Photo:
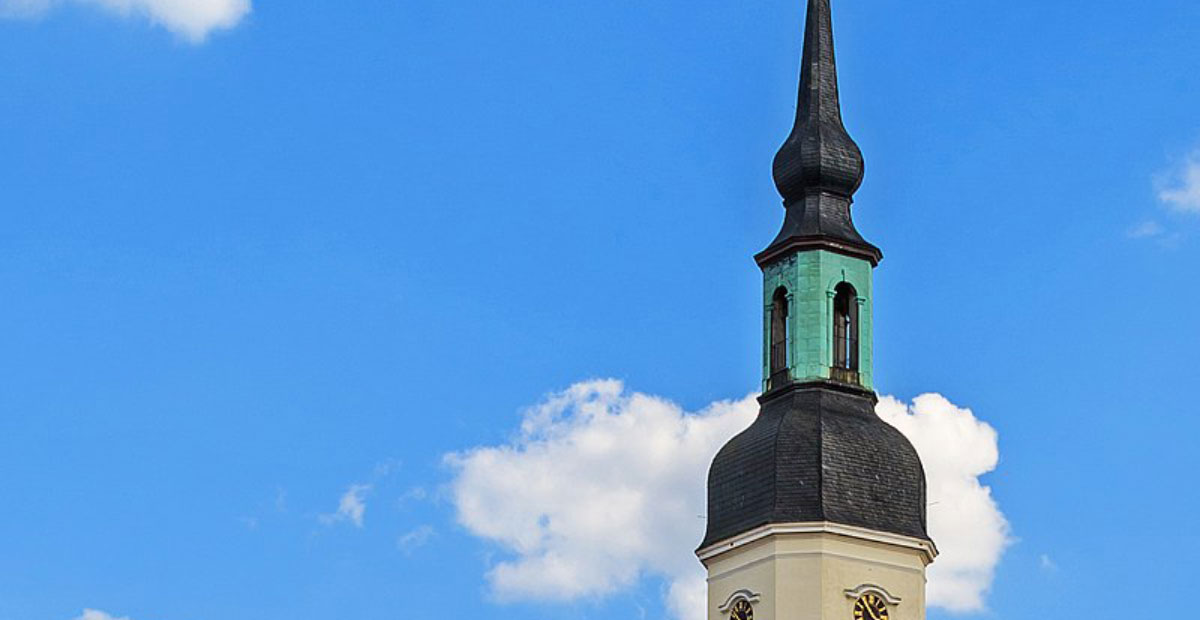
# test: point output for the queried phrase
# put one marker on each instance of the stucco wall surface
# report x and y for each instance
(806, 577)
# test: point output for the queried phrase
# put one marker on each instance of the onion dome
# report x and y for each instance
(819, 155)
(819, 167)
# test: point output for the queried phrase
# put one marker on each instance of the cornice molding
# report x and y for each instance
(818, 384)
(926, 547)
(795, 244)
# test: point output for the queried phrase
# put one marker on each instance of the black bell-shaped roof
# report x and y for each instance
(817, 453)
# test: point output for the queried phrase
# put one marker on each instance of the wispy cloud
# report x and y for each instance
(193, 20)
(1047, 563)
(1147, 230)
(1178, 192)
(603, 486)
(415, 539)
(95, 614)
(1181, 187)
(352, 507)
(387, 467)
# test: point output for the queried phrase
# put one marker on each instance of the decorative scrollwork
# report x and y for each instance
(740, 595)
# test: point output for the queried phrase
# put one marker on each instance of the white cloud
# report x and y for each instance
(416, 538)
(1048, 564)
(414, 494)
(1146, 230)
(1182, 189)
(964, 520)
(94, 614)
(193, 20)
(352, 507)
(603, 486)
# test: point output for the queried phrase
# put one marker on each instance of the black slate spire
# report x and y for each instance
(819, 167)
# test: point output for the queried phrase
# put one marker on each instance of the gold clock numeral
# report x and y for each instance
(870, 607)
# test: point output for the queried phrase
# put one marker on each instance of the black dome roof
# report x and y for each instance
(817, 453)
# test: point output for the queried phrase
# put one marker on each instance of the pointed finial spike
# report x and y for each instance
(819, 155)
(819, 167)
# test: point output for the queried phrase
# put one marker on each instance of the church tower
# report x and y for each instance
(817, 511)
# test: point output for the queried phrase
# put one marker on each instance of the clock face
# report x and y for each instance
(741, 611)
(870, 607)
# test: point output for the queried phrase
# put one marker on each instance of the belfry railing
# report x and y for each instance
(844, 375)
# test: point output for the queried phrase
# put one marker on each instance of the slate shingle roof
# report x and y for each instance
(817, 453)
(819, 166)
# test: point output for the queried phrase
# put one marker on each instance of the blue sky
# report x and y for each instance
(246, 270)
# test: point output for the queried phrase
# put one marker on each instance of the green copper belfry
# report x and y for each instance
(817, 271)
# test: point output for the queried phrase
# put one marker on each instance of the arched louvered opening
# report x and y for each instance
(780, 362)
(845, 333)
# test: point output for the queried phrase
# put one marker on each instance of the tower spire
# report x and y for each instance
(819, 167)
(818, 509)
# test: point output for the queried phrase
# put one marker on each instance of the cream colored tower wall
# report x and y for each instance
(806, 576)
